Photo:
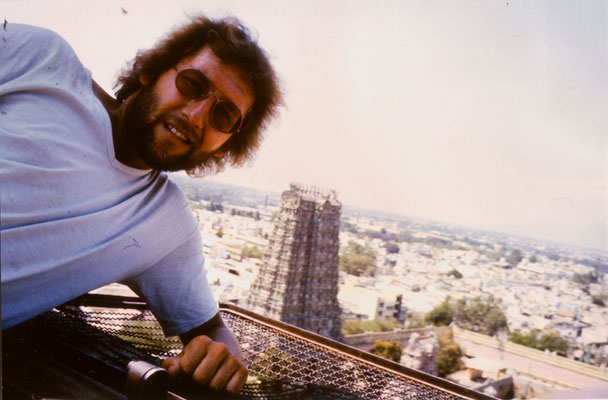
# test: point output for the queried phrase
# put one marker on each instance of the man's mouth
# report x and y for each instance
(177, 133)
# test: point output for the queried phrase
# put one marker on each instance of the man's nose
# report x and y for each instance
(197, 111)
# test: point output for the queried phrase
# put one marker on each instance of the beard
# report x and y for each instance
(140, 120)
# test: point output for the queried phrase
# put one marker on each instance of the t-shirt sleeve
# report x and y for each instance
(26, 50)
(177, 290)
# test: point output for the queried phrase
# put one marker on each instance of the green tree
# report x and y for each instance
(548, 340)
(355, 326)
(455, 273)
(449, 354)
(525, 339)
(441, 315)
(358, 260)
(347, 226)
(392, 248)
(213, 206)
(404, 236)
(585, 279)
(480, 314)
(599, 299)
(389, 350)
(251, 252)
(514, 258)
(552, 341)
(219, 233)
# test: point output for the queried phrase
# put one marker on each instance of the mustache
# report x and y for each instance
(181, 125)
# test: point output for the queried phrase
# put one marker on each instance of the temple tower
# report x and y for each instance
(298, 280)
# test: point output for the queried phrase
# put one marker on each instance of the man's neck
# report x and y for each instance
(115, 110)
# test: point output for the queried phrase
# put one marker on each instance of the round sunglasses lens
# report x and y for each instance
(192, 83)
(226, 117)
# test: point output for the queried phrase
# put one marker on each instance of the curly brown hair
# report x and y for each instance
(234, 45)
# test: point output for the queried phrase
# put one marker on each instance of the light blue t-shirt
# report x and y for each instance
(73, 218)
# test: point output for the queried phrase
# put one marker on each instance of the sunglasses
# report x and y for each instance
(224, 116)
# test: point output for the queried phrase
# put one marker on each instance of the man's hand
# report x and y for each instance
(208, 363)
(211, 357)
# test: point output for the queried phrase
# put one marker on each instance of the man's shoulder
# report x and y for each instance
(23, 48)
(34, 36)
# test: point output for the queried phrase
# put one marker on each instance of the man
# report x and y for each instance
(83, 201)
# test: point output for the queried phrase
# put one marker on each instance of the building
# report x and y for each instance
(298, 280)
(486, 376)
(370, 302)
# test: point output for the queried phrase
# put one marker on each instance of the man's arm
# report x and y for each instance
(211, 357)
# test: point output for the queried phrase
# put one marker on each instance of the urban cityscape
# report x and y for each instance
(401, 278)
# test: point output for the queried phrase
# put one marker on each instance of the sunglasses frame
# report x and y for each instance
(180, 74)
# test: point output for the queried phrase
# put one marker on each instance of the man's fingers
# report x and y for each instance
(172, 366)
(226, 370)
(238, 380)
(216, 355)
(193, 353)
(208, 363)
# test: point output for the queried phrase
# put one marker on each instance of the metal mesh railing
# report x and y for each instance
(282, 364)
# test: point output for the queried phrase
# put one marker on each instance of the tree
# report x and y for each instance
(219, 233)
(441, 315)
(449, 353)
(358, 260)
(404, 236)
(355, 326)
(275, 215)
(525, 339)
(514, 258)
(389, 350)
(392, 248)
(481, 315)
(599, 300)
(251, 252)
(347, 226)
(585, 279)
(213, 206)
(549, 340)
(552, 341)
(455, 273)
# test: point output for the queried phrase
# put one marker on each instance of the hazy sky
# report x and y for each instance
(491, 114)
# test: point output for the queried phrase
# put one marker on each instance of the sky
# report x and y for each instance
(488, 114)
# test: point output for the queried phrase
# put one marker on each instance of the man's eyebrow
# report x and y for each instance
(218, 92)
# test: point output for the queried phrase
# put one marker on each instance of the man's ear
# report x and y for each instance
(144, 78)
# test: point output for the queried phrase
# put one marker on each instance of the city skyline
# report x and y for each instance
(485, 115)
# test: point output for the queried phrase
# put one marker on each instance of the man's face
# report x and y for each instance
(171, 132)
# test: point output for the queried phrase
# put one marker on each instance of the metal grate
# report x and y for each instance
(287, 363)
